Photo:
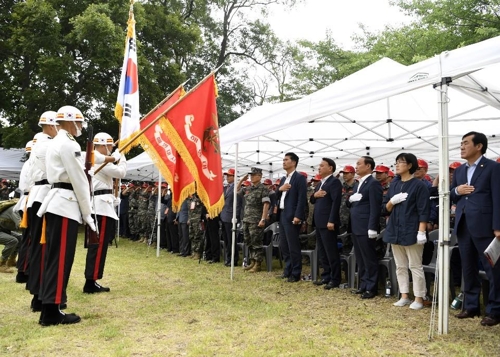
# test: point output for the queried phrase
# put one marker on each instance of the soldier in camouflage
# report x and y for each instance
(142, 212)
(132, 211)
(195, 226)
(347, 190)
(256, 209)
(382, 176)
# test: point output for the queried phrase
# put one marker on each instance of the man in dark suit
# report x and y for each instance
(226, 217)
(326, 199)
(476, 191)
(292, 197)
(366, 205)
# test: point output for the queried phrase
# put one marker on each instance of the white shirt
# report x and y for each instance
(283, 194)
(361, 180)
(324, 180)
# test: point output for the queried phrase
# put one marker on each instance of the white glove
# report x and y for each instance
(117, 155)
(398, 198)
(372, 234)
(91, 172)
(90, 221)
(421, 238)
(116, 201)
(355, 197)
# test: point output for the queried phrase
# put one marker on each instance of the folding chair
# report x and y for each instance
(312, 254)
(275, 242)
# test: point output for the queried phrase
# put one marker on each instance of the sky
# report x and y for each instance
(312, 18)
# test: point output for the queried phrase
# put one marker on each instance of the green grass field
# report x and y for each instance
(173, 306)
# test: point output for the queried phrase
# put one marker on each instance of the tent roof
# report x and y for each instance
(382, 110)
(10, 163)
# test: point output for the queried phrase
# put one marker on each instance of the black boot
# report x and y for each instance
(91, 287)
(51, 315)
(36, 305)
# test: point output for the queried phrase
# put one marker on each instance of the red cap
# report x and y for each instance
(422, 163)
(348, 168)
(456, 164)
(390, 173)
(428, 178)
(381, 168)
(268, 182)
(498, 160)
(246, 183)
(145, 185)
(229, 172)
(316, 177)
(303, 174)
(164, 185)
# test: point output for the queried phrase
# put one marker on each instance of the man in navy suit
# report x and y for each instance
(326, 199)
(292, 197)
(226, 216)
(366, 206)
(476, 190)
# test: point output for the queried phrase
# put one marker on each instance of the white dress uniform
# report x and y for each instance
(38, 169)
(62, 202)
(104, 208)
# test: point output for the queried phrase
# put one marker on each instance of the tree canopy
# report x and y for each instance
(56, 52)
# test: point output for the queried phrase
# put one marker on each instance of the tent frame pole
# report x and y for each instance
(234, 221)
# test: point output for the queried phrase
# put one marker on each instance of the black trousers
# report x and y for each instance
(213, 239)
(228, 236)
(328, 253)
(36, 251)
(61, 234)
(184, 244)
(97, 253)
(367, 261)
(23, 253)
(290, 248)
(172, 237)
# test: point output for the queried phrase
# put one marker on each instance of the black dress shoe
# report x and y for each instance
(321, 282)
(490, 320)
(62, 318)
(227, 264)
(63, 306)
(368, 295)
(293, 279)
(36, 305)
(21, 278)
(359, 291)
(91, 288)
(282, 276)
(467, 314)
(331, 285)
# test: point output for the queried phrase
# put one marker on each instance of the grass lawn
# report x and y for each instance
(173, 306)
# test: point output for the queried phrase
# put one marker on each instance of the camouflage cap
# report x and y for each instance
(255, 171)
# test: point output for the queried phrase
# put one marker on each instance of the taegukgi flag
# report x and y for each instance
(127, 103)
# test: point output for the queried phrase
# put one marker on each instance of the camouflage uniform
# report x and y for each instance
(133, 220)
(142, 213)
(255, 198)
(309, 242)
(153, 200)
(194, 221)
(347, 190)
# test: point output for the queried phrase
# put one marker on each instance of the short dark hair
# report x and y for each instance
(293, 157)
(478, 138)
(330, 163)
(369, 161)
(410, 160)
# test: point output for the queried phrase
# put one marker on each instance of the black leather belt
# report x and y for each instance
(42, 182)
(66, 186)
(102, 192)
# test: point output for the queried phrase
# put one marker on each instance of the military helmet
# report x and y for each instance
(69, 113)
(103, 139)
(48, 118)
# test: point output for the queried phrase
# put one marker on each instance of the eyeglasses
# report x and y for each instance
(401, 162)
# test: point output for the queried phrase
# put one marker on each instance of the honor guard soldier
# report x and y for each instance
(38, 192)
(65, 207)
(103, 205)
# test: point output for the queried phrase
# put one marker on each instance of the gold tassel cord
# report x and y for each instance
(44, 228)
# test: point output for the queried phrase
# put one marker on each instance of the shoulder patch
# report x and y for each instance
(78, 153)
(70, 137)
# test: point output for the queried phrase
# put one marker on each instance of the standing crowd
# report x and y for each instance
(364, 212)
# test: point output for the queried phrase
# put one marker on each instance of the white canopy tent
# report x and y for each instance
(380, 111)
(10, 163)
